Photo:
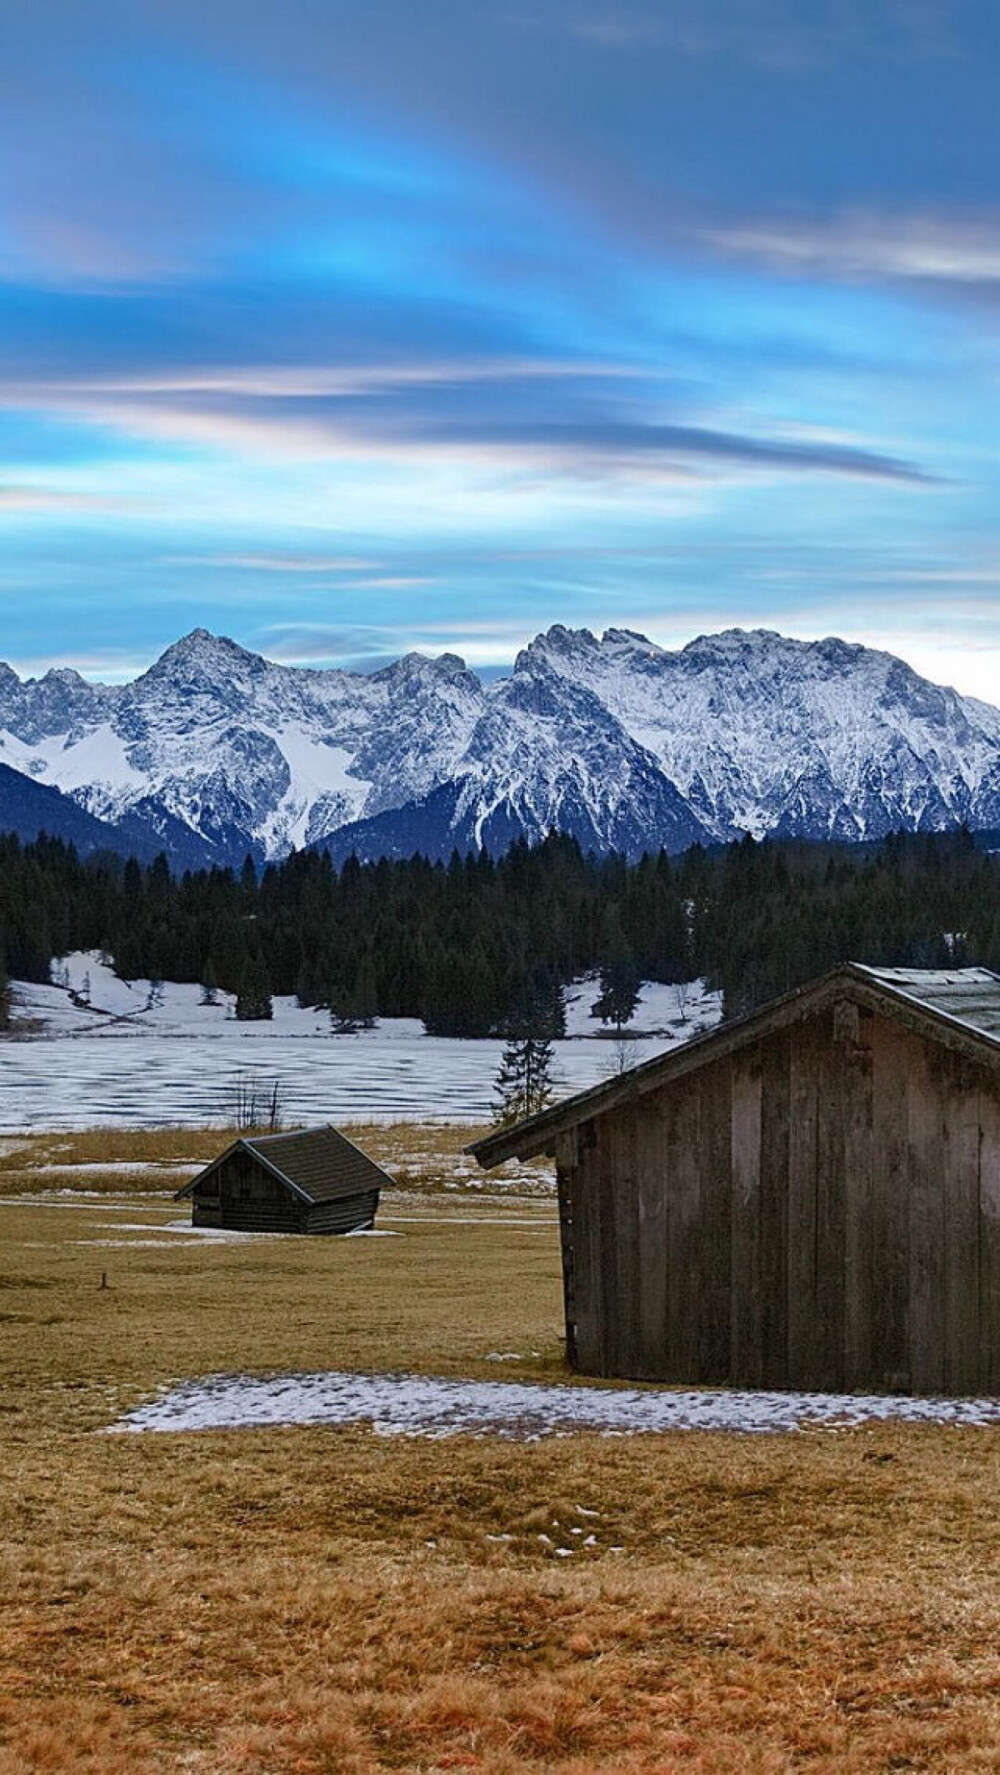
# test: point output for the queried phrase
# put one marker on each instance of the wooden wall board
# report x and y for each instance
(961, 1227)
(772, 1274)
(745, 1341)
(716, 1154)
(890, 1207)
(859, 1279)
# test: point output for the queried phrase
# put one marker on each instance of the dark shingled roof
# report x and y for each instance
(319, 1164)
(959, 1007)
(970, 994)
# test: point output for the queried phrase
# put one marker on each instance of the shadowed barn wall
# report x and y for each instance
(820, 1208)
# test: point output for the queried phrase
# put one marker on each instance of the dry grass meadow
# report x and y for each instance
(328, 1602)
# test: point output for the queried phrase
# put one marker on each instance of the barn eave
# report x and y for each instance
(891, 992)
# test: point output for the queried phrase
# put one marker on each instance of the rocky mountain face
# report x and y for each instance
(216, 751)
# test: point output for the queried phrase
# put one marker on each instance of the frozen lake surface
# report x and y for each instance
(134, 1054)
(413, 1405)
(151, 1080)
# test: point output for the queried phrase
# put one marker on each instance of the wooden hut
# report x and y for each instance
(312, 1182)
(808, 1197)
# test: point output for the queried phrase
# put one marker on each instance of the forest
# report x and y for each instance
(478, 945)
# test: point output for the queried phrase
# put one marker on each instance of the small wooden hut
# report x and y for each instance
(317, 1181)
(808, 1197)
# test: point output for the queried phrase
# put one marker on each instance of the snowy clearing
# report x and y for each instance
(413, 1405)
(88, 998)
(135, 1058)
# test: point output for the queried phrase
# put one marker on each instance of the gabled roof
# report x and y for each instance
(317, 1165)
(959, 1007)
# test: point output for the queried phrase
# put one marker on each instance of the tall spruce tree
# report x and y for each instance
(356, 1006)
(536, 1017)
(253, 1000)
(620, 980)
(524, 1085)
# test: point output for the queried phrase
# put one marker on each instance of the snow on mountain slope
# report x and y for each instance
(765, 734)
(548, 753)
(244, 753)
(216, 750)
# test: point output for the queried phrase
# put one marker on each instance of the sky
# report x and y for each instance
(346, 327)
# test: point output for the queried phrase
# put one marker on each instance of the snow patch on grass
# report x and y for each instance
(414, 1405)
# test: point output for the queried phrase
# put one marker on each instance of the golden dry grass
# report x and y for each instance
(420, 1156)
(327, 1602)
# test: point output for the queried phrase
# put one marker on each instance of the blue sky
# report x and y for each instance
(346, 328)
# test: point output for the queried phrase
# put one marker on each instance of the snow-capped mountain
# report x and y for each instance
(215, 750)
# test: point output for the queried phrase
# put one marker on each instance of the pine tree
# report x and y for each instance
(365, 992)
(524, 1084)
(620, 982)
(354, 1007)
(209, 984)
(343, 1017)
(253, 1001)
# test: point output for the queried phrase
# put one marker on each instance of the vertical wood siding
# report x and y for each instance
(819, 1210)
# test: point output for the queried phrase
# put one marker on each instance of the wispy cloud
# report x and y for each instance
(314, 381)
(484, 642)
(53, 499)
(283, 563)
(496, 427)
(781, 36)
(627, 441)
(866, 244)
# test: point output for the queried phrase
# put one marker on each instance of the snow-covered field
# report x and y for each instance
(135, 1055)
(413, 1405)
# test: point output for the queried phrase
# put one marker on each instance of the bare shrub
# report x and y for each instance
(256, 1103)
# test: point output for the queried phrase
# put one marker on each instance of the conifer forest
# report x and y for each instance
(473, 946)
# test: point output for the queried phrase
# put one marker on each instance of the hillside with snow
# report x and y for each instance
(87, 997)
(215, 750)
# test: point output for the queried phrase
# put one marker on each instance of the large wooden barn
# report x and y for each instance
(317, 1181)
(809, 1197)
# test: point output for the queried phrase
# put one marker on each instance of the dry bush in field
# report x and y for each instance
(255, 1104)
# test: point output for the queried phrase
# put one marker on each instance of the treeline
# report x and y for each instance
(462, 946)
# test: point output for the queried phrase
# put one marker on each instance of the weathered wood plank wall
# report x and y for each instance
(246, 1198)
(820, 1210)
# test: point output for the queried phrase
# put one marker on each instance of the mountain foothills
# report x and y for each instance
(215, 751)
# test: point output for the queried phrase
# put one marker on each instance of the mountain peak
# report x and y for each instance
(629, 638)
(204, 655)
(200, 641)
(730, 641)
(442, 665)
(612, 739)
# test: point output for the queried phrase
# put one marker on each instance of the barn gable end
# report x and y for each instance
(808, 1199)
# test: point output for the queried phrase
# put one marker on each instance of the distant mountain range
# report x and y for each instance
(216, 751)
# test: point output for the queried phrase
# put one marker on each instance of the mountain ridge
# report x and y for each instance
(215, 750)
